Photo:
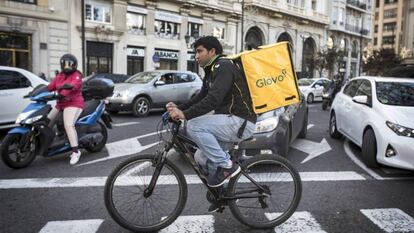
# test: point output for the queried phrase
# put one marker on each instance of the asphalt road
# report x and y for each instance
(339, 194)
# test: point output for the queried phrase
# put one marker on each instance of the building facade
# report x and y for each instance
(350, 31)
(34, 34)
(388, 24)
(129, 36)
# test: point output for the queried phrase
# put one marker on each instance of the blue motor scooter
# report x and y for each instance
(36, 135)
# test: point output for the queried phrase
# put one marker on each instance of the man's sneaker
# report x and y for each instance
(219, 177)
(74, 158)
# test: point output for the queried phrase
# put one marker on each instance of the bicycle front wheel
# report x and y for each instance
(274, 206)
(125, 200)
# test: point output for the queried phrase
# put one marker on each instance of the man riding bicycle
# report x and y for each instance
(225, 93)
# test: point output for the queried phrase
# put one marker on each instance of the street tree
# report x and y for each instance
(379, 61)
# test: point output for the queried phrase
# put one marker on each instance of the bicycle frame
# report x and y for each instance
(179, 141)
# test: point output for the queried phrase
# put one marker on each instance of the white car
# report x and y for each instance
(14, 84)
(377, 114)
(312, 88)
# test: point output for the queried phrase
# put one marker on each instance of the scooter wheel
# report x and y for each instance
(14, 158)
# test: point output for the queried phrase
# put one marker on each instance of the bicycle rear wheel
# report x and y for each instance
(124, 194)
(279, 177)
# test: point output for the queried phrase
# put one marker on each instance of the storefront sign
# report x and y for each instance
(162, 54)
(166, 16)
(135, 52)
(138, 10)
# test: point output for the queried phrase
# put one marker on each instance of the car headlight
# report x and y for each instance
(33, 119)
(22, 116)
(267, 125)
(400, 130)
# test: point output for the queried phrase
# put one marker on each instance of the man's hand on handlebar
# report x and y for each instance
(175, 113)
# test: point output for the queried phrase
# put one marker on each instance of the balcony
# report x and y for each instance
(356, 29)
(357, 4)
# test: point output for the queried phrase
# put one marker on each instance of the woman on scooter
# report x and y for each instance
(71, 102)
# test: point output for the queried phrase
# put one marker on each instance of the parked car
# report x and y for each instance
(146, 90)
(312, 88)
(14, 84)
(275, 130)
(376, 113)
(116, 78)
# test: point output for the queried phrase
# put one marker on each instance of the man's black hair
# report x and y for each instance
(209, 42)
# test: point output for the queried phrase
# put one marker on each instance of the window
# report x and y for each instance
(26, 1)
(167, 78)
(388, 39)
(390, 1)
(395, 93)
(98, 13)
(314, 5)
(12, 80)
(389, 26)
(136, 23)
(183, 78)
(165, 29)
(218, 32)
(392, 13)
(375, 41)
(376, 28)
(365, 89)
(352, 87)
(194, 29)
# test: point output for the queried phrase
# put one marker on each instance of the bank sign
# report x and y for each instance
(170, 55)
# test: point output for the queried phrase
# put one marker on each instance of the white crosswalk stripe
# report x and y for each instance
(194, 223)
(388, 220)
(191, 179)
(299, 222)
(72, 226)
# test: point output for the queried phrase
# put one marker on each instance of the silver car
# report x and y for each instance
(153, 89)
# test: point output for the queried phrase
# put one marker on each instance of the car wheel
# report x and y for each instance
(310, 98)
(369, 149)
(141, 107)
(333, 130)
(304, 129)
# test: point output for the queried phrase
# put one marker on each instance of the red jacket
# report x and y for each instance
(73, 98)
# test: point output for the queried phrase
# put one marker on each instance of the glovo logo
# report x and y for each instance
(268, 81)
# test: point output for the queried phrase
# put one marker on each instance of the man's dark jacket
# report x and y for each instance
(224, 90)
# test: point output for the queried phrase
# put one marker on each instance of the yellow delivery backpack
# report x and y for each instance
(270, 76)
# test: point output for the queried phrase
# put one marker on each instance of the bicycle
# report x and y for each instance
(148, 192)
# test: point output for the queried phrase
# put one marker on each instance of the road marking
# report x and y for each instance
(125, 124)
(372, 173)
(390, 220)
(313, 149)
(192, 223)
(299, 222)
(72, 226)
(124, 147)
(310, 126)
(76, 182)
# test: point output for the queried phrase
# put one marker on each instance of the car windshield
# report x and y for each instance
(144, 77)
(396, 93)
(305, 82)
